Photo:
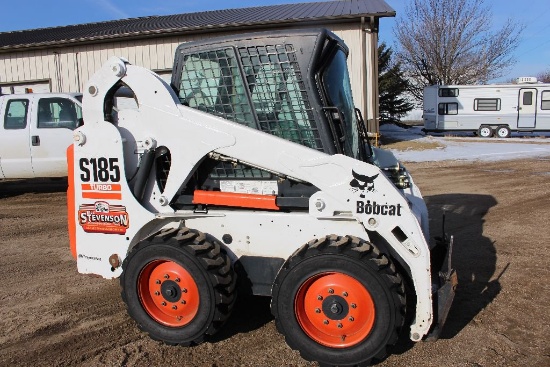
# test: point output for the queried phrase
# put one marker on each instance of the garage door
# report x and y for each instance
(18, 88)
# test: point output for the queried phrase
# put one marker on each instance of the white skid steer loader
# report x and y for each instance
(253, 172)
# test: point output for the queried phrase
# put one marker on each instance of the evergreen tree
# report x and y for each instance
(391, 87)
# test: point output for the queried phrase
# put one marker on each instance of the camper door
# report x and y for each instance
(527, 108)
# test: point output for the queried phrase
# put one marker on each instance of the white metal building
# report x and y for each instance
(61, 59)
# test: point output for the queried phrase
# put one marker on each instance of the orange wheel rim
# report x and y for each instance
(335, 310)
(168, 293)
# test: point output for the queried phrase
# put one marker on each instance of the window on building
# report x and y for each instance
(545, 100)
(16, 114)
(448, 92)
(58, 113)
(527, 98)
(448, 108)
(487, 104)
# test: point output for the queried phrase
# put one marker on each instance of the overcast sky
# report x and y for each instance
(533, 54)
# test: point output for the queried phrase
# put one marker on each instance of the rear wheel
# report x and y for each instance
(339, 301)
(485, 131)
(178, 286)
(503, 131)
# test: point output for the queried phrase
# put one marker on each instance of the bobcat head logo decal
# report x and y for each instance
(362, 184)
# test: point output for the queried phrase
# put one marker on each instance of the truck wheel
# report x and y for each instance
(485, 131)
(178, 286)
(503, 131)
(339, 301)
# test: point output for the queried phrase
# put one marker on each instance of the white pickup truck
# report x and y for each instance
(36, 131)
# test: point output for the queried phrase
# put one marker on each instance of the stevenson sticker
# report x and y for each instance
(101, 217)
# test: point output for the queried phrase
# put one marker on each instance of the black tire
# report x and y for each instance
(485, 131)
(178, 316)
(503, 131)
(358, 262)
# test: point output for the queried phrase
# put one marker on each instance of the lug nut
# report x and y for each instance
(325, 322)
(318, 310)
(157, 281)
(174, 307)
(345, 294)
(163, 303)
(157, 293)
(166, 276)
(183, 302)
(319, 298)
(177, 280)
(184, 290)
(351, 319)
(331, 291)
(340, 326)
(179, 318)
(353, 305)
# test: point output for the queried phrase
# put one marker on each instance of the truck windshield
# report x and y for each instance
(338, 89)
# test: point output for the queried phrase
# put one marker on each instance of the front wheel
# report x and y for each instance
(339, 301)
(178, 286)
(503, 131)
(485, 131)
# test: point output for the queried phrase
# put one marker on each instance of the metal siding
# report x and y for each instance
(351, 35)
(96, 56)
(3, 73)
(131, 54)
(370, 78)
(25, 65)
(50, 70)
(14, 69)
(153, 51)
(104, 53)
(64, 71)
(32, 65)
(69, 69)
(10, 68)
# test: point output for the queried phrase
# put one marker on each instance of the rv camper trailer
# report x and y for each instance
(488, 110)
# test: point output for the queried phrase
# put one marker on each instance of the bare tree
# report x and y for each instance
(452, 42)
(544, 76)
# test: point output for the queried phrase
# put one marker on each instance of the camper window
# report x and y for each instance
(527, 98)
(448, 92)
(487, 104)
(448, 108)
(545, 100)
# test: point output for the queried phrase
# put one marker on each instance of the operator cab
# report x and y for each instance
(292, 84)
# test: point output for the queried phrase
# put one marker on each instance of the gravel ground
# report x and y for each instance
(498, 211)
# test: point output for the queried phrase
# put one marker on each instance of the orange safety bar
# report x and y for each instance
(235, 199)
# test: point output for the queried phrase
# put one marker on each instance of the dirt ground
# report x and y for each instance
(499, 213)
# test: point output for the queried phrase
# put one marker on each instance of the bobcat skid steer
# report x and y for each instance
(252, 172)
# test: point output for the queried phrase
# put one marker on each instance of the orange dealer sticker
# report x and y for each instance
(101, 217)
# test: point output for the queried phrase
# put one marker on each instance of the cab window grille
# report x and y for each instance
(211, 81)
(268, 93)
(278, 93)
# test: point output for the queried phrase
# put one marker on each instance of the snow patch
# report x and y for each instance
(467, 149)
